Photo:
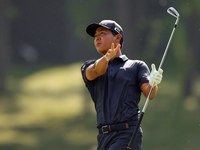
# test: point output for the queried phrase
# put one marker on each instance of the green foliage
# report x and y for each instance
(12, 12)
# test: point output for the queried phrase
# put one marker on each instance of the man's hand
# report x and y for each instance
(155, 76)
(99, 67)
(112, 52)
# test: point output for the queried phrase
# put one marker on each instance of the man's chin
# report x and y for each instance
(101, 51)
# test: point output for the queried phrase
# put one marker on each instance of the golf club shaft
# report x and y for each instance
(166, 50)
(148, 98)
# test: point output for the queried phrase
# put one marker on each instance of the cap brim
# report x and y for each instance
(91, 29)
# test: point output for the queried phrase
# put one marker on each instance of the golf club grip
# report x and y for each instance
(135, 132)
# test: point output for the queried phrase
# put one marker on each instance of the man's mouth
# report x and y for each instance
(98, 44)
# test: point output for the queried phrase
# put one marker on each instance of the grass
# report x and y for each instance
(49, 108)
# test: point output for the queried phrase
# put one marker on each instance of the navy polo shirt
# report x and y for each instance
(116, 93)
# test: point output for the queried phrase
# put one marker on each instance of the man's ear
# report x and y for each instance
(118, 37)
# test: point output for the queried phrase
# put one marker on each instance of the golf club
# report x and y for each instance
(174, 13)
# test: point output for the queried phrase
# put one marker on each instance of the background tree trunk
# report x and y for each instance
(193, 57)
(5, 42)
(128, 15)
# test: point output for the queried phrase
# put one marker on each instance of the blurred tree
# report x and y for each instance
(5, 41)
(39, 31)
(129, 14)
(142, 23)
(80, 13)
(193, 30)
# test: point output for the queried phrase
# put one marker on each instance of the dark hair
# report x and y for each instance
(114, 34)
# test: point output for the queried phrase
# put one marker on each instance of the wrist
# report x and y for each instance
(106, 58)
(151, 83)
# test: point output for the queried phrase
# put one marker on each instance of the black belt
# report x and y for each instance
(116, 127)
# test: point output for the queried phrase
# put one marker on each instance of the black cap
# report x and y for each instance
(109, 24)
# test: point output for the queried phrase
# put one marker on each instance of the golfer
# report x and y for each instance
(115, 84)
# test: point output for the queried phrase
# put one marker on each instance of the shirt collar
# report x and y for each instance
(120, 58)
(123, 57)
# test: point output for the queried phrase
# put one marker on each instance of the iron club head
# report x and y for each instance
(172, 11)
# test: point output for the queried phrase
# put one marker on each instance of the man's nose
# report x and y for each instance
(97, 37)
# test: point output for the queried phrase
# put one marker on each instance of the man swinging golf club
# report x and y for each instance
(115, 84)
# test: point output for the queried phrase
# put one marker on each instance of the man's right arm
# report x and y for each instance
(97, 69)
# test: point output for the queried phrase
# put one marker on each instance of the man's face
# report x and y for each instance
(103, 39)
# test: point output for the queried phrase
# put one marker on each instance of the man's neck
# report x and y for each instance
(119, 53)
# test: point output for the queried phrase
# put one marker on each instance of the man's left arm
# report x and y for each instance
(146, 87)
(156, 78)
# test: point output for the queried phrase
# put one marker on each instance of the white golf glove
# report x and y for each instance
(155, 76)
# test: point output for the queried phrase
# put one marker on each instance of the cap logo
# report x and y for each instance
(117, 29)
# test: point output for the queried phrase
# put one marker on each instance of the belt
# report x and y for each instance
(116, 127)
